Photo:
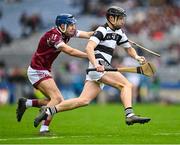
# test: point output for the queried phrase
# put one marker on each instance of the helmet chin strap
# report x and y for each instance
(65, 27)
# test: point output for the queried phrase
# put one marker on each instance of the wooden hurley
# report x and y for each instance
(147, 69)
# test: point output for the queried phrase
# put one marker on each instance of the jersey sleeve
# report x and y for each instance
(124, 41)
(55, 40)
(98, 35)
(77, 33)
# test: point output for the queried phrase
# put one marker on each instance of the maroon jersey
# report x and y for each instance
(47, 50)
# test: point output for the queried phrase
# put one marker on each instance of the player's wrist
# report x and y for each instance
(140, 59)
(96, 65)
(137, 57)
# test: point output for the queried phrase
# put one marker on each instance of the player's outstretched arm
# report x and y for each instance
(72, 51)
(132, 52)
(84, 34)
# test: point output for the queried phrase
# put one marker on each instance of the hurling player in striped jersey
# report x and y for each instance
(100, 50)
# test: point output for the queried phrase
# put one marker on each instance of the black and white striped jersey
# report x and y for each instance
(107, 40)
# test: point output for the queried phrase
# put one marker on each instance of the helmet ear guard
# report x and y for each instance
(65, 27)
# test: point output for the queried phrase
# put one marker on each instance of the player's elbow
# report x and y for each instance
(72, 52)
(90, 34)
(89, 48)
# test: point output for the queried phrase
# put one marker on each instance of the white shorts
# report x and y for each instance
(36, 76)
(95, 76)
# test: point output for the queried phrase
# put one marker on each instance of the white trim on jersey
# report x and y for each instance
(77, 33)
(95, 39)
(126, 45)
(58, 45)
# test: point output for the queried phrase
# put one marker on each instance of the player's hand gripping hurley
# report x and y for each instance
(147, 69)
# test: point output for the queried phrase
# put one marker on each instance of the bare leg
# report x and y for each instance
(49, 88)
(90, 91)
(118, 81)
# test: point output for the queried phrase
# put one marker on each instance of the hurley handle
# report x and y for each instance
(106, 69)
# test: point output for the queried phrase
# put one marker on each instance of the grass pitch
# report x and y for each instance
(95, 124)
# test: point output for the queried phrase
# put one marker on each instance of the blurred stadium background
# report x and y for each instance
(154, 24)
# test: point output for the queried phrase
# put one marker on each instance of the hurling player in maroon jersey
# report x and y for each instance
(51, 44)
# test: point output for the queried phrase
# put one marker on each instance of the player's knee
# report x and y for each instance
(56, 99)
(129, 85)
(125, 85)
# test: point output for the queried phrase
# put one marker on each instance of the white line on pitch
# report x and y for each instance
(29, 138)
(166, 133)
(43, 137)
(53, 137)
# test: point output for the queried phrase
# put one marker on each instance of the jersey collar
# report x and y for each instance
(106, 25)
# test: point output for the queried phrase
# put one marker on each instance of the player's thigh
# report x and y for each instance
(90, 91)
(49, 88)
(115, 79)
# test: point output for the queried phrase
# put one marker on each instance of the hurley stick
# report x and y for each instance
(147, 69)
(150, 51)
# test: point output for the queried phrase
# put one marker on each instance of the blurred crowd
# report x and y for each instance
(29, 23)
(151, 20)
(5, 37)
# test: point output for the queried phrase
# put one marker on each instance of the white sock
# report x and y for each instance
(44, 128)
(51, 110)
(131, 114)
(48, 111)
(28, 103)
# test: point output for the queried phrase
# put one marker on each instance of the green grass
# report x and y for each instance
(94, 124)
